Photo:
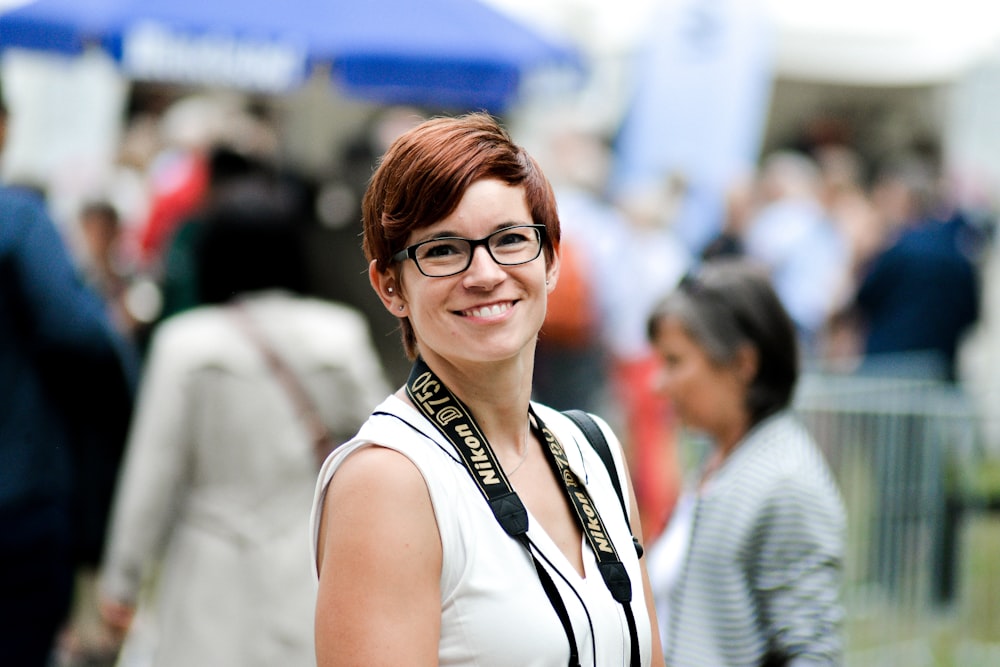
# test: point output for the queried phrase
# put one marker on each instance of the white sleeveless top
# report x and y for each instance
(494, 610)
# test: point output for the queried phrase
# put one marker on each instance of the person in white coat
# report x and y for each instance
(209, 543)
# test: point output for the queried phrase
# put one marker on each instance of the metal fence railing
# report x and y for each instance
(900, 449)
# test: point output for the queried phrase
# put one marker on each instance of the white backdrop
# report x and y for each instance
(886, 42)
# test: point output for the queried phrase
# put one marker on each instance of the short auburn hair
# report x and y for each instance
(424, 174)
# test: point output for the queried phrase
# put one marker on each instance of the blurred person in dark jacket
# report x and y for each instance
(917, 299)
(919, 296)
(65, 400)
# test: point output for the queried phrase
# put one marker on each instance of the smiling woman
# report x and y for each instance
(501, 309)
(449, 529)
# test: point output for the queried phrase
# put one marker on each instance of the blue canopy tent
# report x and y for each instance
(443, 53)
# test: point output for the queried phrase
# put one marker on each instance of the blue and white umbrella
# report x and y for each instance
(445, 53)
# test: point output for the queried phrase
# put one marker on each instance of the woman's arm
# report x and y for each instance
(798, 571)
(154, 477)
(379, 559)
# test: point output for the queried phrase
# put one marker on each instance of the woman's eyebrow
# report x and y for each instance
(440, 234)
(452, 234)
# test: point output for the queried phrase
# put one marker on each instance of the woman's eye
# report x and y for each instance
(441, 249)
(511, 238)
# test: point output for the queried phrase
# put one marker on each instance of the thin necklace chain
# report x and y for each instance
(524, 456)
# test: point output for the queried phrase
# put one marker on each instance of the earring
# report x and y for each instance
(401, 307)
(389, 290)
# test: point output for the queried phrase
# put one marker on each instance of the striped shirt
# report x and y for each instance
(763, 569)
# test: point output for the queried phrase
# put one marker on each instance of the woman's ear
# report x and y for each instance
(747, 363)
(386, 285)
(552, 269)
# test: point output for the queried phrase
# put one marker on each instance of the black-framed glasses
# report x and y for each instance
(450, 255)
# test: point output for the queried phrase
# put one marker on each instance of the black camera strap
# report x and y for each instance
(455, 421)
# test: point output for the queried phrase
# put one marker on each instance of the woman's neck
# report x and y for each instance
(726, 442)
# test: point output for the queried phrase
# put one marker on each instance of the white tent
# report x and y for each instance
(883, 42)
(862, 42)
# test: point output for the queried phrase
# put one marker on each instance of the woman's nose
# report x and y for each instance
(483, 269)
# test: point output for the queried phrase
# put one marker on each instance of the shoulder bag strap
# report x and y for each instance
(322, 439)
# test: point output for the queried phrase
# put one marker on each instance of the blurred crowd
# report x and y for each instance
(876, 262)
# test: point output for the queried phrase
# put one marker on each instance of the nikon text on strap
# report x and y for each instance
(454, 420)
(596, 438)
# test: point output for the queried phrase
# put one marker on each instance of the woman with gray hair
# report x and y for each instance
(749, 570)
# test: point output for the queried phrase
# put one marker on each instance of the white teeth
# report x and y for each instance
(489, 311)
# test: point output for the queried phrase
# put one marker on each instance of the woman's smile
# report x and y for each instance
(488, 311)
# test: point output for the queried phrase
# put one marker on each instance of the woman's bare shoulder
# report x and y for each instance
(376, 494)
(379, 543)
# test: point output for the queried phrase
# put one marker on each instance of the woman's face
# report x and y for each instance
(707, 396)
(488, 312)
